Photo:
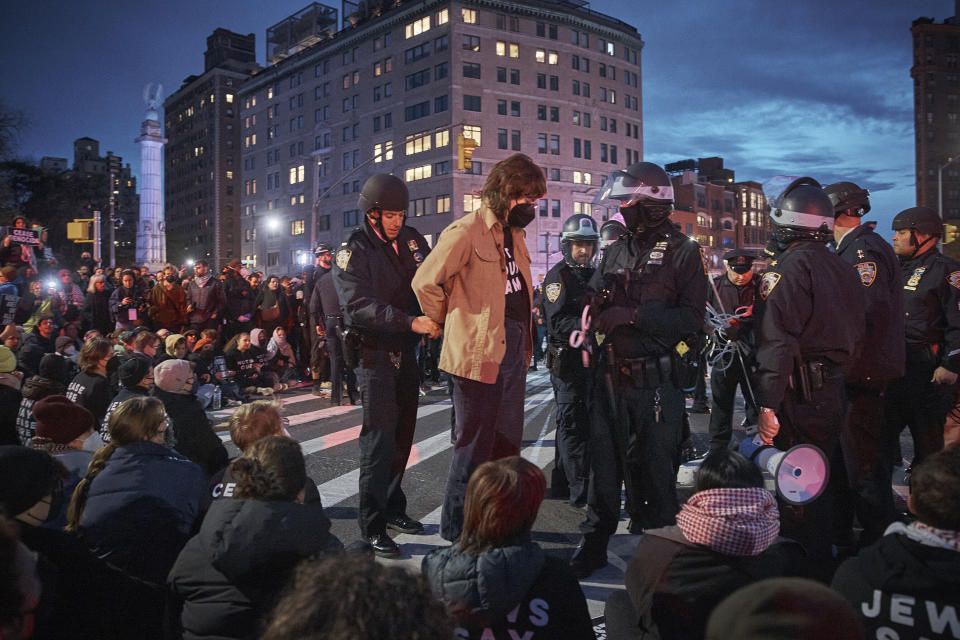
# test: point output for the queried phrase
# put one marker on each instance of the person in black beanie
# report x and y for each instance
(136, 378)
(50, 380)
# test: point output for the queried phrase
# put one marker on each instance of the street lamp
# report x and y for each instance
(273, 224)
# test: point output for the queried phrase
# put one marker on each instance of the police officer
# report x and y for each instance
(328, 319)
(866, 492)
(733, 293)
(652, 293)
(809, 331)
(931, 302)
(372, 277)
(564, 295)
(611, 231)
(317, 335)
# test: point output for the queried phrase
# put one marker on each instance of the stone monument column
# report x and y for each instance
(151, 248)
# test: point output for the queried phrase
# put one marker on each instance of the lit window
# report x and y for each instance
(300, 173)
(552, 58)
(419, 173)
(298, 227)
(501, 48)
(269, 93)
(418, 143)
(417, 27)
(541, 56)
(228, 96)
(577, 179)
(229, 175)
(472, 132)
(469, 16)
(514, 50)
(383, 151)
(443, 16)
(441, 138)
(443, 203)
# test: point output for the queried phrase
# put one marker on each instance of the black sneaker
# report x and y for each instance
(384, 546)
(590, 555)
(404, 524)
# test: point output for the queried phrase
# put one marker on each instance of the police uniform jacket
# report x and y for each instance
(733, 298)
(882, 358)
(812, 310)
(564, 295)
(372, 277)
(931, 304)
(661, 273)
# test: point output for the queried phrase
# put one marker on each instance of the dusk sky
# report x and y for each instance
(802, 88)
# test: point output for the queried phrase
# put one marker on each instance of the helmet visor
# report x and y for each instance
(774, 188)
(622, 186)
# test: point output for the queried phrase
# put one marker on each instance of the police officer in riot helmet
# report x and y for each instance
(564, 294)
(809, 332)
(931, 304)
(650, 296)
(610, 231)
(864, 480)
(372, 275)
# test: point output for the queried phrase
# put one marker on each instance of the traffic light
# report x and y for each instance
(80, 230)
(949, 233)
(465, 148)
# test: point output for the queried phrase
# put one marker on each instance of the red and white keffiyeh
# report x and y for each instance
(735, 522)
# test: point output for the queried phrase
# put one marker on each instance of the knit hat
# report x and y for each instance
(61, 420)
(171, 375)
(8, 361)
(133, 371)
(201, 343)
(26, 476)
(63, 342)
(8, 332)
(784, 608)
(171, 342)
(53, 366)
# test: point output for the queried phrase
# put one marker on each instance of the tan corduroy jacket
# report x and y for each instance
(461, 285)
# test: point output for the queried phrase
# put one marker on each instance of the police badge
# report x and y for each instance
(552, 291)
(867, 271)
(954, 279)
(768, 282)
(412, 245)
(343, 258)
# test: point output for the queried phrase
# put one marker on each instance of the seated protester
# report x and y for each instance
(231, 573)
(785, 609)
(496, 582)
(20, 586)
(248, 425)
(243, 365)
(173, 385)
(96, 306)
(136, 379)
(80, 596)
(209, 364)
(284, 361)
(67, 432)
(90, 388)
(265, 350)
(355, 597)
(10, 397)
(128, 308)
(51, 381)
(10, 338)
(7, 285)
(907, 583)
(176, 348)
(146, 345)
(36, 344)
(66, 347)
(138, 502)
(726, 536)
(191, 335)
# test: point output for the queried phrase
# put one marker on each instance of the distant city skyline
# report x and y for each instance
(812, 88)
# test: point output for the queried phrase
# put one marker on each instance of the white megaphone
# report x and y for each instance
(800, 474)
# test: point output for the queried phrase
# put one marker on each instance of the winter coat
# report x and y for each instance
(511, 592)
(35, 346)
(239, 298)
(903, 589)
(92, 391)
(193, 431)
(34, 389)
(674, 584)
(96, 312)
(145, 499)
(206, 300)
(121, 313)
(122, 396)
(168, 308)
(229, 575)
(9, 407)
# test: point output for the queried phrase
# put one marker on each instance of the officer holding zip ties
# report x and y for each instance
(809, 334)
(731, 322)
(647, 309)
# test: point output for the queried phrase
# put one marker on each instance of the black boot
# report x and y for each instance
(590, 555)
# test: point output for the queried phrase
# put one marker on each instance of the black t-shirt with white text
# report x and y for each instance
(517, 299)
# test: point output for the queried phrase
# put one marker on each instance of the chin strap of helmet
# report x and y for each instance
(916, 244)
(376, 221)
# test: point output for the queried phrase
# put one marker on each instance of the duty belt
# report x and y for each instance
(648, 373)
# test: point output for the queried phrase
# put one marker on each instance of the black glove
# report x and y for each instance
(731, 332)
(613, 317)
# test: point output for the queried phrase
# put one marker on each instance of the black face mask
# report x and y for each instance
(644, 216)
(171, 279)
(521, 214)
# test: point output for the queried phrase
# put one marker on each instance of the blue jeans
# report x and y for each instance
(489, 424)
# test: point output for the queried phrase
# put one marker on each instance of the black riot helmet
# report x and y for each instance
(920, 219)
(322, 248)
(385, 192)
(848, 199)
(579, 228)
(611, 231)
(800, 211)
(644, 191)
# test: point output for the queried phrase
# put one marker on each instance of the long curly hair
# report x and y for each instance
(511, 179)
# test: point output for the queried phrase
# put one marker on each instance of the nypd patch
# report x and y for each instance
(343, 258)
(954, 279)
(867, 271)
(768, 282)
(412, 245)
(552, 291)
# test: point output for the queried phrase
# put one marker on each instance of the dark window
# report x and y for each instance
(471, 43)
(576, 148)
(541, 81)
(554, 114)
(515, 140)
(501, 74)
(554, 83)
(555, 145)
(515, 108)
(351, 218)
(541, 30)
(417, 79)
(472, 103)
(501, 138)
(442, 43)
(471, 70)
(415, 53)
(441, 104)
(501, 107)
(586, 150)
(323, 223)
(441, 71)
(541, 112)
(553, 32)
(541, 143)
(514, 76)
(415, 111)
(556, 208)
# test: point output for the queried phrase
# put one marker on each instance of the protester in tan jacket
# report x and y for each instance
(476, 282)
